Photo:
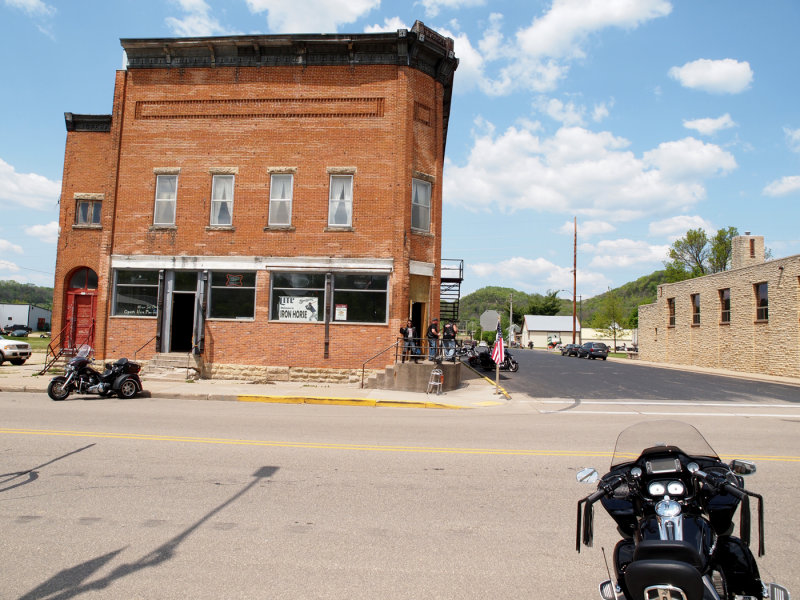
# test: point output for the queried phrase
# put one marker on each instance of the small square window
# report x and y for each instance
(88, 212)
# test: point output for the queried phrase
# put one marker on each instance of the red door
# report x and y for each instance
(81, 309)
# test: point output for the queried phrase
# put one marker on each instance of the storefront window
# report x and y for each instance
(136, 293)
(360, 298)
(297, 297)
(232, 295)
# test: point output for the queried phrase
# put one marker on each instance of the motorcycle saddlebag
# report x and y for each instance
(127, 367)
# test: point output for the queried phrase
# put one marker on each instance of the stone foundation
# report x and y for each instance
(265, 374)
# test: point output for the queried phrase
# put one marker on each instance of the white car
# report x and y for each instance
(14, 351)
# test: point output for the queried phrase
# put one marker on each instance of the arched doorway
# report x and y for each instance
(81, 308)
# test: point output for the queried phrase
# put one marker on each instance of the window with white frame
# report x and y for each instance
(280, 199)
(340, 207)
(420, 205)
(222, 200)
(166, 197)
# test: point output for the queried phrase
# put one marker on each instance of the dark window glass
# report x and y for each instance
(762, 301)
(695, 309)
(360, 298)
(297, 297)
(725, 305)
(136, 293)
(233, 295)
(671, 311)
(84, 278)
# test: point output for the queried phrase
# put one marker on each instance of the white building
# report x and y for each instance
(35, 317)
(542, 330)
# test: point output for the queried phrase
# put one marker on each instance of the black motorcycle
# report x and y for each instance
(119, 378)
(485, 361)
(674, 503)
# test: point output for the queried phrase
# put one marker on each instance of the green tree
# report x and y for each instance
(610, 318)
(549, 304)
(696, 254)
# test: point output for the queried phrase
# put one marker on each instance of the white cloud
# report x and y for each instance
(432, 7)
(311, 16)
(792, 139)
(580, 172)
(727, 76)
(623, 253)
(783, 187)
(690, 158)
(389, 25)
(8, 266)
(677, 226)
(197, 23)
(33, 8)
(539, 274)
(539, 55)
(26, 189)
(6, 246)
(601, 111)
(587, 228)
(568, 114)
(710, 126)
(46, 233)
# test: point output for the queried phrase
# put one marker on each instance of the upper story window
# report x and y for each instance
(340, 206)
(671, 311)
(420, 205)
(166, 197)
(695, 309)
(88, 208)
(762, 301)
(280, 199)
(725, 305)
(222, 200)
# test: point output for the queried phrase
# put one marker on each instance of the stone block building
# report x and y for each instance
(262, 200)
(744, 319)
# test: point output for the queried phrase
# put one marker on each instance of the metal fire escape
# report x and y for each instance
(452, 274)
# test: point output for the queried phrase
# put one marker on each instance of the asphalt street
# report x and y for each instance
(550, 375)
(159, 498)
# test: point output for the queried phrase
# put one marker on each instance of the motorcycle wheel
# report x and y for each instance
(514, 366)
(56, 389)
(128, 389)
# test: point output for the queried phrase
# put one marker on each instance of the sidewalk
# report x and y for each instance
(475, 391)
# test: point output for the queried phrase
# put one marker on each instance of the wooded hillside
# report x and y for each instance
(12, 292)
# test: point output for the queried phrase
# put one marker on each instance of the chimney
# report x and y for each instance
(747, 250)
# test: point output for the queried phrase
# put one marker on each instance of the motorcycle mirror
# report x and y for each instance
(743, 467)
(588, 475)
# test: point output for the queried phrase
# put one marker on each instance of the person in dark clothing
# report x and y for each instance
(432, 333)
(409, 334)
(449, 332)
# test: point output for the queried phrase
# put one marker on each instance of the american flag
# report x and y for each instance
(498, 355)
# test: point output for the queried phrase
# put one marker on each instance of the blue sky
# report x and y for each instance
(640, 118)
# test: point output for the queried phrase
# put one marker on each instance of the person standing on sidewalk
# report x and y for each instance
(432, 333)
(449, 332)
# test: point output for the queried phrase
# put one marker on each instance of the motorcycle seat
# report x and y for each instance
(672, 550)
(653, 574)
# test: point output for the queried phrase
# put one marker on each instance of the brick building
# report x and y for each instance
(744, 319)
(258, 200)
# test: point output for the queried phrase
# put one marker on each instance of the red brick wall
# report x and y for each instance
(311, 118)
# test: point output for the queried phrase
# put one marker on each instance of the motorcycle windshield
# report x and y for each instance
(84, 351)
(649, 434)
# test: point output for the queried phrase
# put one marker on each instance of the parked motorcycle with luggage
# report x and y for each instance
(484, 361)
(673, 501)
(120, 377)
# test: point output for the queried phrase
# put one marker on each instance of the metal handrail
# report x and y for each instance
(143, 345)
(51, 347)
(364, 364)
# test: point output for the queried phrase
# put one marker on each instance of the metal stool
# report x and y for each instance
(436, 381)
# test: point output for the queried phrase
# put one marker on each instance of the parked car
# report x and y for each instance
(14, 351)
(10, 328)
(19, 333)
(570, 350)
(593, 350)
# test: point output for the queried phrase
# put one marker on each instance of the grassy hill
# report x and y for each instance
(632, 294)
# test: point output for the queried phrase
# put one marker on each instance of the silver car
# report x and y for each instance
(14, 351)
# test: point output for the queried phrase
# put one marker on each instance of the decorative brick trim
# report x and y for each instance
(261, 108)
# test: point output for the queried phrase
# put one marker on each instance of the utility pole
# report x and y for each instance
(574, 275)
